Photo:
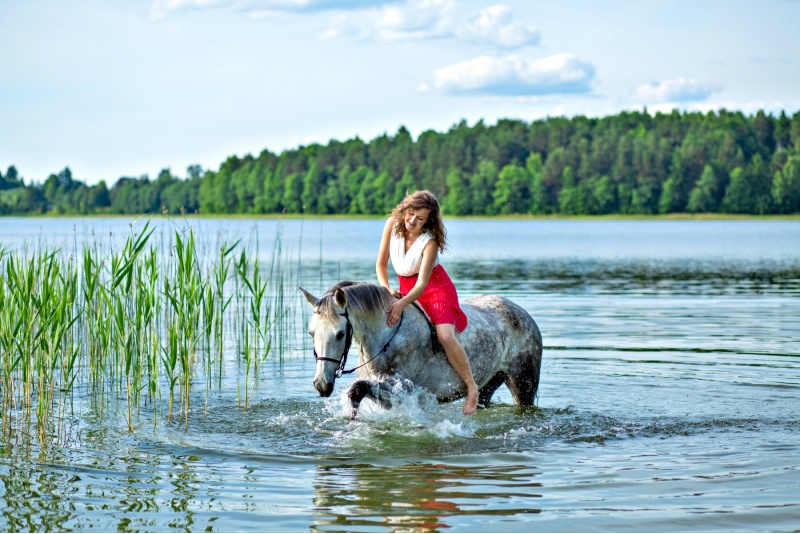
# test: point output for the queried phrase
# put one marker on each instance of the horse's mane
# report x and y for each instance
(362, 297)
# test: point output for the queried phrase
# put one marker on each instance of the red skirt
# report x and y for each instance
(439, 299)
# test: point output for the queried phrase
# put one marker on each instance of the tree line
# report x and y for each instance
(628, 163)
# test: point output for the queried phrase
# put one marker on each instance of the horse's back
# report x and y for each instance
(505, 311)
(499, 319)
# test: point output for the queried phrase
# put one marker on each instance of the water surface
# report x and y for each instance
(668, 399)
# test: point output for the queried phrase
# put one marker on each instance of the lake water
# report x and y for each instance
(669, 398)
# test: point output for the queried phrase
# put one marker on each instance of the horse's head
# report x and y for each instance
(332, 333)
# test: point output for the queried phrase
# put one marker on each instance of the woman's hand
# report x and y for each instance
(393, 292)
(395, 311)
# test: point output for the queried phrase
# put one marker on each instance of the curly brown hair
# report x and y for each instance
(434, 224)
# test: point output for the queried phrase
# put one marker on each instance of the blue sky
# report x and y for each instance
(129, 87)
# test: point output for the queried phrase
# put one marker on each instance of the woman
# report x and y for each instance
(412, 238)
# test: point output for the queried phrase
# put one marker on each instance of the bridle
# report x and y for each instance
(348, 340)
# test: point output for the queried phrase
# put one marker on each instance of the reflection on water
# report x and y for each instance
(422, 497)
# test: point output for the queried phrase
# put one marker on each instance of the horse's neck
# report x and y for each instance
(372, 336)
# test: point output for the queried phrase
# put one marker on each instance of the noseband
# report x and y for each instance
(348, 340)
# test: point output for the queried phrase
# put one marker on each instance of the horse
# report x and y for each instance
(502, 342)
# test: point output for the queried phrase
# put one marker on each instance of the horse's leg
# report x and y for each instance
(357, 392)
(522, 379)
(486, 392)
(379, 392)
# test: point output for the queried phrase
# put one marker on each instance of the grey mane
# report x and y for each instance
(362, 297)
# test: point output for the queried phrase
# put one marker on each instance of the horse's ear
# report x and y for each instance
(340, 298)
(309, 297)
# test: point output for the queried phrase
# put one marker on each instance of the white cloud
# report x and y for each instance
(415, 19)
(421, 18)
(495, 25)
(161, 8)
(514, 76)
(676, 91)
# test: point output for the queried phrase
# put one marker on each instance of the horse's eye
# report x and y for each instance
(340, 335)
(311, 334)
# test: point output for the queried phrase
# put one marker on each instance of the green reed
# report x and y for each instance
(278, 305)
(222, 301)
(131, 316)
(187, 301)
(255, 320)
(38, 347)
(138, 323)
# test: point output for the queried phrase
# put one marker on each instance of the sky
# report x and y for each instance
(131, 87)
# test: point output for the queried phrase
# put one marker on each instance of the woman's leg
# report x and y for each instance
(458, 359)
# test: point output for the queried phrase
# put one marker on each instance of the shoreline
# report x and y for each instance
(517, 217)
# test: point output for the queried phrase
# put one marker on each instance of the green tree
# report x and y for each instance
(644, 196)
(273, 189)
(313, 184)
(672, 193)
(738, 195)
(631, 162)
(602, 196)
(366, 197)
(406, 185)
(786, 186)
(794, 131)
(761, 185)
(552, 172)
(783, 132)
(456, 201)
(382, 188)
(764, 129)
(512, 190)
(540, 195)
(180, 197)
(11, 180)
(572, 197)
(703, 197)
(362, 177)
(666, 203)
(292, 193)
(335, 196)
(99, 197)
(481, 187)
(206, 193)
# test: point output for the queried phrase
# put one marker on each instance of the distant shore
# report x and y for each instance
(516, 217)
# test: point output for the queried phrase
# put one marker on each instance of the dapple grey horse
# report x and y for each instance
(502, 341)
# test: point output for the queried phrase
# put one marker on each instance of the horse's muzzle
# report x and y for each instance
(325, 389)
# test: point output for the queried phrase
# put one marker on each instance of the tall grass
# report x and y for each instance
(140, 323)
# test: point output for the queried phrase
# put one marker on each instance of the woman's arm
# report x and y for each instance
(382, 263)
(425, 269)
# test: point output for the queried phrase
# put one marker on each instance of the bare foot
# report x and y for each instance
(471, 404)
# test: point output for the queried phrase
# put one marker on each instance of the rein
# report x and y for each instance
(348, 340)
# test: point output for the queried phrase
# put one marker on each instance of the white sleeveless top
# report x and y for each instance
(408, 263)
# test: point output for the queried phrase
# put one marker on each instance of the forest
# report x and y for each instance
(629, 163)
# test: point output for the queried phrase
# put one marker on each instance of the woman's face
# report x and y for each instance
(416, 219)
